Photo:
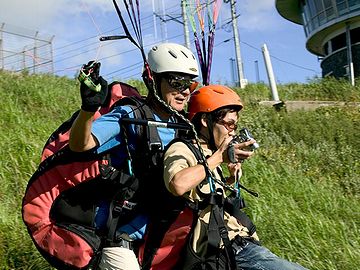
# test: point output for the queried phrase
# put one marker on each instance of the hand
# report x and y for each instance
(91, 98)
(240, 151)
(235, 172)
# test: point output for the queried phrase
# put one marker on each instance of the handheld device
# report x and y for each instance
(243, 136)
(89, 74)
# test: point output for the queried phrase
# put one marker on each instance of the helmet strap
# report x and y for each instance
(152, 81)
(157, 81)
(210, 125)
(148, 78)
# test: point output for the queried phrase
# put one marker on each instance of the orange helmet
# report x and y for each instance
(211, 97)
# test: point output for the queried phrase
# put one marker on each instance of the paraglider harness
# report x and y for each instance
(170, 241)
(61, 198)
(59, 205)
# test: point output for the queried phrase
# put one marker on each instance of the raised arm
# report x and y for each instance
(92, 98)
(80, 134)
(182, 171)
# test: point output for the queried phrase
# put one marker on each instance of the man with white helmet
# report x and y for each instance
(168, 75)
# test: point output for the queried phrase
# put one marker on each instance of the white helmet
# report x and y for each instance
(171, 57)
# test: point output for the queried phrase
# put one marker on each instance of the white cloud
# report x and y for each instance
(32, 14)
(40, 14)
(257, 17)
(260, 6)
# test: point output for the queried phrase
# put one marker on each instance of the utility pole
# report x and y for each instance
(234, 73)
(163, 22)
(349, 56)
(242, 81)
(52, 55)
(2, 46)
(186, 28)
(257, 71)
(24, 59)
(270, 73)
(35, 56)
(154, 19)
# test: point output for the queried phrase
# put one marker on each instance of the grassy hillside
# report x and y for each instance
(307, 169)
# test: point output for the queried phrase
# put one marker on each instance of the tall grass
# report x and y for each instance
(306, 170)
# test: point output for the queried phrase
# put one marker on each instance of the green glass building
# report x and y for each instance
(332, 30)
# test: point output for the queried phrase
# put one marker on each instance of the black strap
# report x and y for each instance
(217, 230)
(232, 205)
(127, 32)
(190, 145)
(141, 111)
(233, 208)
(152, 135)
(112, 222)
(160, 225)
(120, 206)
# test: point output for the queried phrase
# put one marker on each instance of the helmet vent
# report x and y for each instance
(173, 54)
(219, 91)
(184, 54)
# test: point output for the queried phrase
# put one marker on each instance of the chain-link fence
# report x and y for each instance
(25, 50)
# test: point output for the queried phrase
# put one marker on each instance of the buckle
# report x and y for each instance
(155, 146)
(125, 244)
(223, 232)
(240, 241)
(129, 205)
(119, 206)
(120, 241)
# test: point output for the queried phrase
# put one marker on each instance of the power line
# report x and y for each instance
(81, 43)
(94, 48)
(281, 60)
(295, 65)
(71, 52)
(177, 6)
(135, 66)
(96, 36)
(146, 21)
(115, 55)
(272, 56)
(171, 38)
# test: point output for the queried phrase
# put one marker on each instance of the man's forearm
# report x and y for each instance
(80, 134)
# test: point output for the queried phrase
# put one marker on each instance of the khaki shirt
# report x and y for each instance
(179, 157)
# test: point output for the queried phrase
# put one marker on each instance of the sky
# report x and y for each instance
(77, 25)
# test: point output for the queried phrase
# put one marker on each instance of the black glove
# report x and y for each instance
(93, 88)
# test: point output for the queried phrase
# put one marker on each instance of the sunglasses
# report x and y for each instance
(230, 126)
(180, 83)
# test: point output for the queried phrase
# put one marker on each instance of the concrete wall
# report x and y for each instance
(306, 105)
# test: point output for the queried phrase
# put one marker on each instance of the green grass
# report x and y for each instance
(307, 169)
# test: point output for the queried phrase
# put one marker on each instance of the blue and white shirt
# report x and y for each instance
(107, 130)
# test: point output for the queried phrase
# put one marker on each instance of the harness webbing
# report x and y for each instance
(153, 141)
(216, 229)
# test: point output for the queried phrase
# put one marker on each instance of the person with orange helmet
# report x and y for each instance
(223, 237)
